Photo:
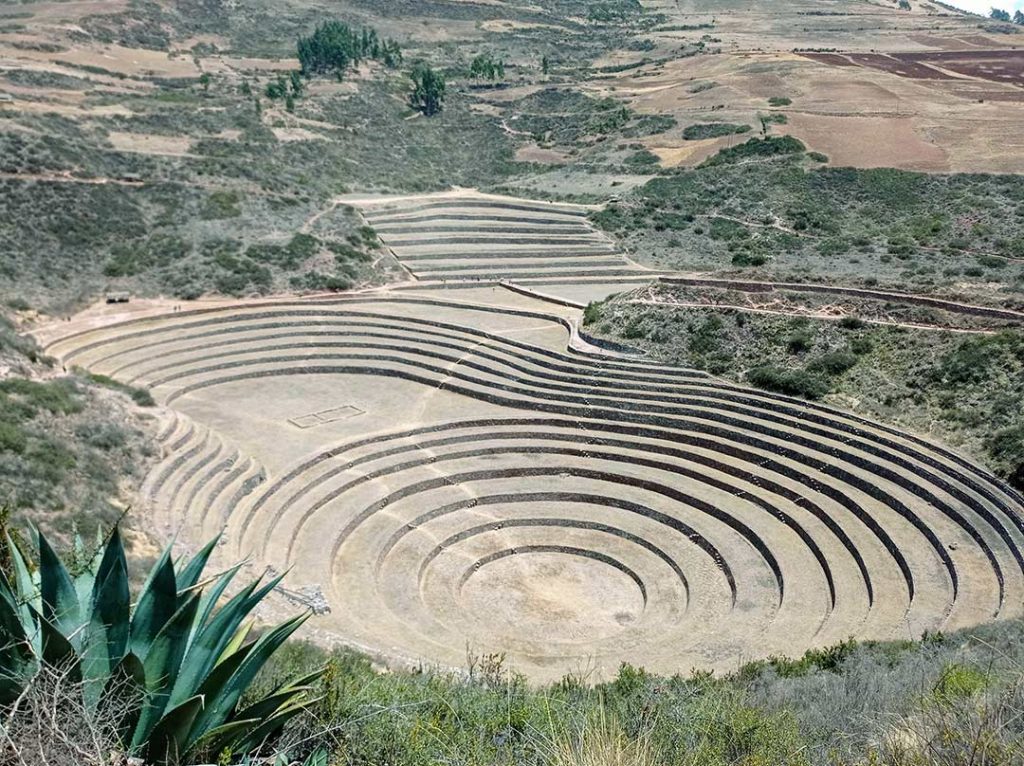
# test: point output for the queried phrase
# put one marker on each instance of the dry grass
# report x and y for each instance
(50, 725)
(599, 740)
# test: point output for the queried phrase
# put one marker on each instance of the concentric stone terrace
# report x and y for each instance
(452, 473)
(462, 235)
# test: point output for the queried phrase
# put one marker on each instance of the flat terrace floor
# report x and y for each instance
(448, 468)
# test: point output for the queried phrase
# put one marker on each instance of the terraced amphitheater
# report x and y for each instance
(460, 468)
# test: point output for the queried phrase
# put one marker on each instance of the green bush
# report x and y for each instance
(771, 146)
(140, 396)
(1007, 447)
(220, 205)
(713, 130)
(790, 382)
(833, 363)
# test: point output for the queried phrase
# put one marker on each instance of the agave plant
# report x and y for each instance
(178, 662)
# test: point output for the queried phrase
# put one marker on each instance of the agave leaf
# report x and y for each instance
(214, 683)
(267, 728)
(24, 595)
(156, 605)
(17, 659)
(60, 605)
(191, 572)
(317, 758)
(58, 651)
(162, 666)
(166, 743)
(26, 588)
(124, 693)
(221, 738)
(106, 637)
(79, 546)
(237, 640)
(212, 595)
(272, 704)
(220, 707)
(208, 646)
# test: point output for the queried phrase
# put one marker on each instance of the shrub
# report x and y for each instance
(790, 382)
(140, 396)
(220, 205)
(799, 342)
(771, 146)
(779, 101)
(12, 438)
(713, 130)
(959, 681)
(59, 397)
(833, 363)
(1007, 447)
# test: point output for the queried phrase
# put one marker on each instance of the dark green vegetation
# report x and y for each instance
(163, 680)
(428, 90)
(898, 704)
(68, 444)
(334, 47)
(767, 204)
(713, 130)
(486, 66)
(965, 390)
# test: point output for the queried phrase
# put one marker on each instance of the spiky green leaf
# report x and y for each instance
(162, 666)
(167, 741)
(60, 605)
(219, 708)
(156, 605)
(208, 645)
(190, 573)
(105, 640)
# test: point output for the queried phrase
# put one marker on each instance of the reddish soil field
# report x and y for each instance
(1005, 66)
(1002, 66)
(829, 58)
(910, 69)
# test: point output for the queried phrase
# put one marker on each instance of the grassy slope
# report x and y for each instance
(234, 175)
(905, 703)
(964, 390)
(785, 216)
(73, 448)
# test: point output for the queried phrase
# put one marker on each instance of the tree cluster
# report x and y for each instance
(486, 66)
(289, 88)
(428, 90)
(1000, 15)
(335, 46)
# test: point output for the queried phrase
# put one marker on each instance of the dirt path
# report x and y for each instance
(67, 178)
(808, 314)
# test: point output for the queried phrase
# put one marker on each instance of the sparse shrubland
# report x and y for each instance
(73, 447)
(961, 389)
(764, 205)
